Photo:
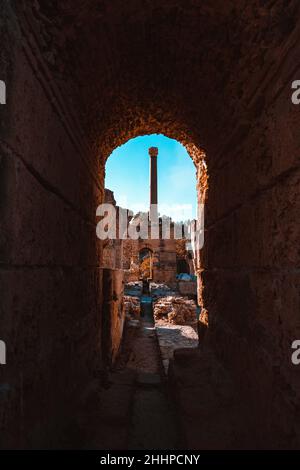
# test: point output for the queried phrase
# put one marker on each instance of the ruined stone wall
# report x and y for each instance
(251, 279)
(187, 287)
(214, 75)
(112, 249)
(251, 254)
(163, 260)
(50, 281)
(113, 315)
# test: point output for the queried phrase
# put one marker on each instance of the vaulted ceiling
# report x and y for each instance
(179, 67)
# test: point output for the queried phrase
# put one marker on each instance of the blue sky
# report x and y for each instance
(127, 174)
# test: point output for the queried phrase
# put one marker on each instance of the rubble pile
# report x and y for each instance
(175, 310)
(133, 288)
(132, 306)
(160, 290)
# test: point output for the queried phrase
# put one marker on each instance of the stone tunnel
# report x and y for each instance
(83, 77)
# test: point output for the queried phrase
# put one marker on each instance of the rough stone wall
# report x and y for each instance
(113, 315)
(251, 256)
(164, 267)
(251, 279)
(112, 252)
(187, 287)
(216, 76)
(50, 281)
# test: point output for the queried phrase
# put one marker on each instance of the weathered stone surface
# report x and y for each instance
(52, 359)
(79, 84)
(187, 287)
(113, 314)
(132, 306)
(172, 338)
(176, 310)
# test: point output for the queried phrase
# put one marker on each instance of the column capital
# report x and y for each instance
(153, 151)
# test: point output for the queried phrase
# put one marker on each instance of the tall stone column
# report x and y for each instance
(153, 152)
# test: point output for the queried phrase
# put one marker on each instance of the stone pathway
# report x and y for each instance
(153, 422)
(136, 410)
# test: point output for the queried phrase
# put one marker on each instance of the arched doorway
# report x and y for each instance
(145, 264)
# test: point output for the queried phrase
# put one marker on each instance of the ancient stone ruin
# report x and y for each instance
(152, 256)
(82, 77)
(176, 310)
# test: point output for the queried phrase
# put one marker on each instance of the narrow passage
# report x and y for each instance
(153, 424)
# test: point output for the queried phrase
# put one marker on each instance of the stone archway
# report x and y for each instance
(145, 258)
(213, 75)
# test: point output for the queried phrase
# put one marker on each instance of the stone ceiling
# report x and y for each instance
(182, 68)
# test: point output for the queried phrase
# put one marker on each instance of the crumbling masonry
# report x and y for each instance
(83, 77)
